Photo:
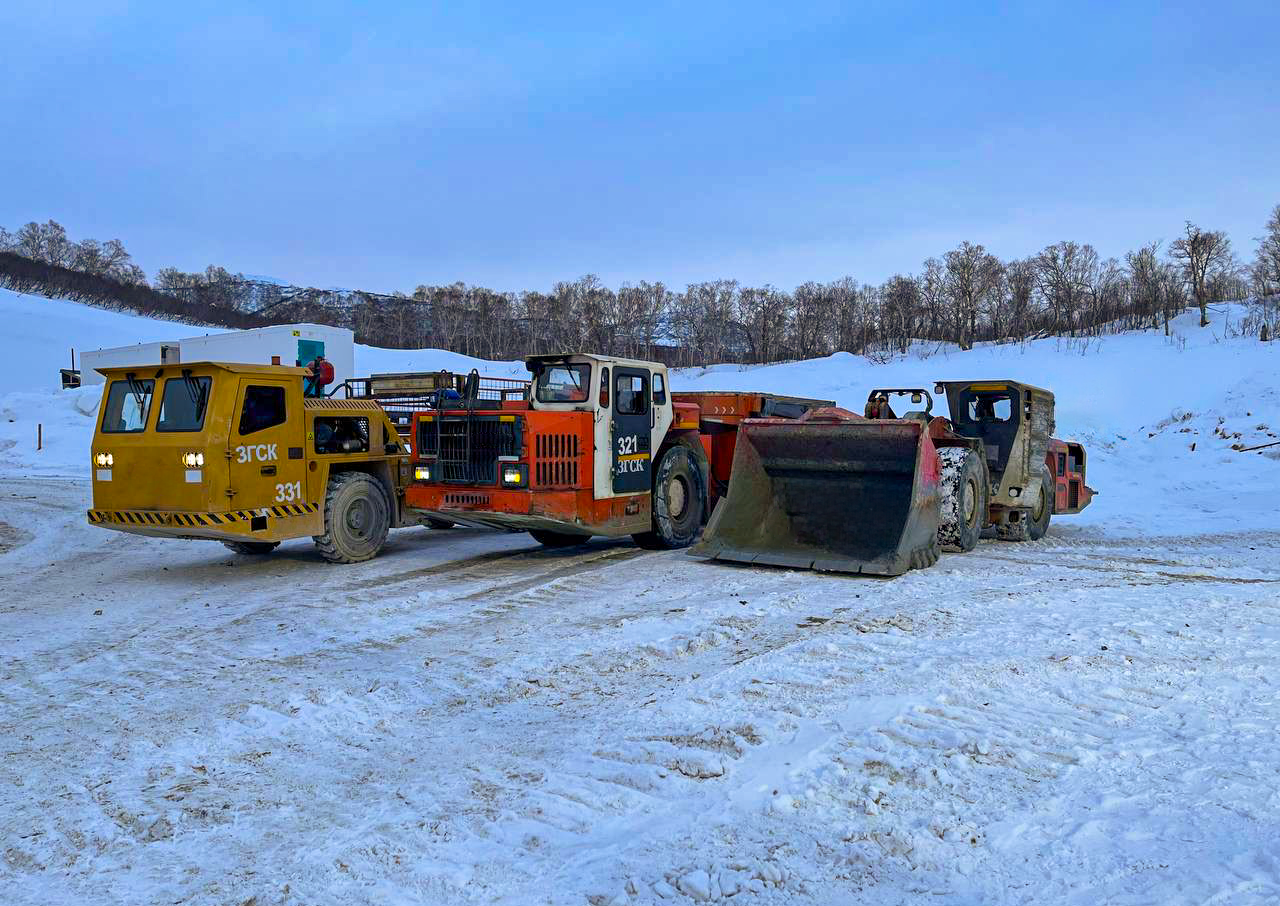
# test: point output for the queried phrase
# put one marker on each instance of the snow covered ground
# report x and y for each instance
(471, 719)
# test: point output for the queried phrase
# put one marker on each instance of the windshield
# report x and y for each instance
(128, 403)
(183, 403)
(563, 383)
(989, 407)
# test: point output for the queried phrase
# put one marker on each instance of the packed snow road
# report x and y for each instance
(472, 719)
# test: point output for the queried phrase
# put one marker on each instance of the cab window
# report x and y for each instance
(563, 384)
(128, 404)
(183, 403)
(629, 394)
(263, 408)
(990, 408)
(659, 390)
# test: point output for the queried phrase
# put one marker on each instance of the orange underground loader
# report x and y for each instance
(592, 445)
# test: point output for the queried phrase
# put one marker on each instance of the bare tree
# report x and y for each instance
(1020, 283)
(1201, 255)
(972, 275)
(1062, 276)
(899, 307)
(45, 242)
(764, 313)
(1266, 267)
(933, 296)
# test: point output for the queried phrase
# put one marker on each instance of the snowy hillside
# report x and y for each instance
(1139, 401)
(471, 719)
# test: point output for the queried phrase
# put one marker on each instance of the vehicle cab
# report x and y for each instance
(573, 454)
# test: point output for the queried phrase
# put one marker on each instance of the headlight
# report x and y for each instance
(104, 459)
(515, 476)
(1015, 492)
(422, 473)
(193, 460)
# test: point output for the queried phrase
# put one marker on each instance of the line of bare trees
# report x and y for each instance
(966, 296)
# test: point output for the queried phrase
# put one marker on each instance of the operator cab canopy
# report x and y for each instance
(577, 381)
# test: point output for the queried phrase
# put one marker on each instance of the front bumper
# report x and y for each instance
(273, 523)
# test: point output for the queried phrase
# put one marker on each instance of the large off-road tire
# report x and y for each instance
(251, 548)
(1041, 506)
(357, 516)
(963, 499)
(557, 539)
(679, 500)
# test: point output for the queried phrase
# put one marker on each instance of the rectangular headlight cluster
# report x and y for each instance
(515, 475)
(422, 473)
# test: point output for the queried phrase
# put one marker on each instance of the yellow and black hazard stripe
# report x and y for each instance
(294, 509)
(195, 520)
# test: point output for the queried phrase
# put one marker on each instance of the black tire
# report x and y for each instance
(963, 499)
(357, 517)
(251, 548)
(557, 539)
(434, 523)
(679, 500)
(1042, 507)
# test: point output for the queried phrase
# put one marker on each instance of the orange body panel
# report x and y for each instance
(1066, 463)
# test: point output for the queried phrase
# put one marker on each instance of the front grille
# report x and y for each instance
(466, 499)
(466, 448)
(556, 460)
(1073, 494)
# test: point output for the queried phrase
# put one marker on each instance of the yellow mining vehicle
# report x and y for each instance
(238, 454)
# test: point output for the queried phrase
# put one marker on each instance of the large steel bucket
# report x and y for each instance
(846, 495)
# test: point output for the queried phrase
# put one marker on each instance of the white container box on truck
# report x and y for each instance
(138, 354)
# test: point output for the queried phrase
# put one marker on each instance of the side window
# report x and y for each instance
(659, 389)
(629, 394)
(342, 434)
(263, 408)
(1062, 463)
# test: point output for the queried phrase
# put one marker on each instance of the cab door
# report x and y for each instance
(265, 445)
(632, 444)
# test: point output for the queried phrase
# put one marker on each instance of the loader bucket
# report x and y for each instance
(847, 495)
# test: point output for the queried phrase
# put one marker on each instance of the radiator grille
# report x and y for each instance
(556, 460)
(467, 447)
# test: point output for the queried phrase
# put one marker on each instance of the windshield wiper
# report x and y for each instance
(140, 393)
(195, 390)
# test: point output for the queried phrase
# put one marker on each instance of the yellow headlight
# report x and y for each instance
(422, 473)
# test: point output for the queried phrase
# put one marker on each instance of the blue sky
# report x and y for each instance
(384, 145)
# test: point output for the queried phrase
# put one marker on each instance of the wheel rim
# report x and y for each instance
(1038, 510)
(970, 501)
(677, 497)
(358, 518)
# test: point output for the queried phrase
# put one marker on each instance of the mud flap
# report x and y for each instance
(848, 495)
